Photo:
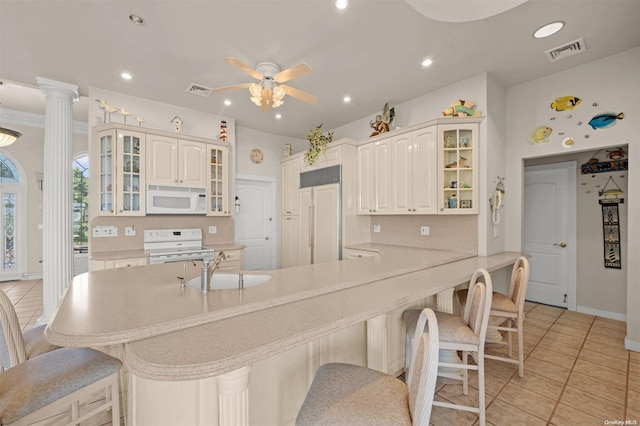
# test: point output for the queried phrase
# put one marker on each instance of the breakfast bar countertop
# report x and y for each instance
(122, 305)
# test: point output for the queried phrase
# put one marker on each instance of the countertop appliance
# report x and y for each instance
(320, 214)
(175, 245)
(165, 199)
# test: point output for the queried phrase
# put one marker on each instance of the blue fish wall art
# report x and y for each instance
(605, 119)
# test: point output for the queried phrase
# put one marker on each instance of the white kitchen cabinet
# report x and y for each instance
(173, 161)
(290, 186)
(232, 262)
(374, 177)
(458, 167)
(414, 172)
(218, 181)
(291, 252)
(121, 172)
(350, 254)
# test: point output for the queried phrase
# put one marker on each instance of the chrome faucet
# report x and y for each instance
(183, 278)
(207, 271)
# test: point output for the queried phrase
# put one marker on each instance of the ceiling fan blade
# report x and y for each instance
(299, 94)
(253, 73)
(234, 87)
(267, 100)
(291, 73)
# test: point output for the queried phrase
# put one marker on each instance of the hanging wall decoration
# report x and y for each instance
(616, 161)
(611, 223)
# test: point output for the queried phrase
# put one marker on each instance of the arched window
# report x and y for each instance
(81, 203)
(10, 187)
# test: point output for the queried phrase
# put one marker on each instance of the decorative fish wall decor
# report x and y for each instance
(605, 119)
(540, 135)
(565, 103)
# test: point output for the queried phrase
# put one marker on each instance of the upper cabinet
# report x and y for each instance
(458, 168)
(291, 185)
(374, 185)
(218, 180)
(173, 161)
(121, 172)
(129, 158)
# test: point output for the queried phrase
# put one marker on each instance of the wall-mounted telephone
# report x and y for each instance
(495, 202)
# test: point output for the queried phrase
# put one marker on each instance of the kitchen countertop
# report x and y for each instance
(145, 305)
(133, 254)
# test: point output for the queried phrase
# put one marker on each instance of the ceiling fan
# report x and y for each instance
(267, 93)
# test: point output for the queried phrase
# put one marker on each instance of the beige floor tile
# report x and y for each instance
(617, 351)
(577, 316)
(492, 384)
(610, 323)
(633, 399)
(553, 357)
(569, 331)
(566, 415)
(633, 415)
(539, 384)
(500, 369)
(600, 372)
(546, 369)
(529, 306)
(635, 357)
(579, 325)
(501, 413)
(533, 329)
(603, 359)
(441, 416)
(550, 310)
(453, 393)
(606, 389)
(604, 331)
(564, 346)
(591, 404)
(526, 400)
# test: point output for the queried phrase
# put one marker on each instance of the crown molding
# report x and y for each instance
(29, 119)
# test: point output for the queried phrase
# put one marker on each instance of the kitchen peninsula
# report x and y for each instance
(189, 355)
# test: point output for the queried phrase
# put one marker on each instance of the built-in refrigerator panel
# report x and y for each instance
(320, 214)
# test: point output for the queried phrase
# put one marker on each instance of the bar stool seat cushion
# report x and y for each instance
(35, 343)
(499, 302)
(38, 382)
(452, 327)
(346, 394)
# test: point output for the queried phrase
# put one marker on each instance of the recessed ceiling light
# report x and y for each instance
(278, 116)
(548, 29)
(126, 76)
(227, 102)
(427, 62)
(136, 19)
(342, 4)
(346, 99)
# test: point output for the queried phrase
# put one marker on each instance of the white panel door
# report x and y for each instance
(550, 233)
(326, 229)
(254, 223)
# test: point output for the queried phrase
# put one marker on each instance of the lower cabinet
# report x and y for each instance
(233, 261)
(98, 265)
(349, 254)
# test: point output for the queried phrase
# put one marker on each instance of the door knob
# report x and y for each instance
(267, 238)
(562, 245)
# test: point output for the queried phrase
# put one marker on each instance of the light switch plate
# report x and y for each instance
(376, 228)
(130, 231)
(424, 230)
(213, 229)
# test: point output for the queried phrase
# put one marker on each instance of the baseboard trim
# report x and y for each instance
(37, 276)
(600, 313)
(631, 345)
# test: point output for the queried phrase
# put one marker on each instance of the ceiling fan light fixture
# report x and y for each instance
(7, 136)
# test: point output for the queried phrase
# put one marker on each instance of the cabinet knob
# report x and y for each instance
(408, 210)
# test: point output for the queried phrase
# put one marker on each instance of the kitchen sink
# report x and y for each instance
(230, 281)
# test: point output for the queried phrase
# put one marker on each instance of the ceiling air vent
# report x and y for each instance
(566, 50)
(196, 89)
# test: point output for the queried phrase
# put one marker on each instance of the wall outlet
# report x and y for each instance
(105, 231)
(213, 229)
(424, 230)
(130, 231)
(376, 228)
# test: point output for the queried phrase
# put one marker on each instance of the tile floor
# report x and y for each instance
(577, 371)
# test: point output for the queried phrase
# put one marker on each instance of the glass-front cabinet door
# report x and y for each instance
(218, 181)
(121, 174)
(458, 164)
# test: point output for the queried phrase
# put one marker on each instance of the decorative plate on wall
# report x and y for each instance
(256, 156)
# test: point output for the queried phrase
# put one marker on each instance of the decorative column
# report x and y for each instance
(233, 398)
(57, 244)
(377, 350)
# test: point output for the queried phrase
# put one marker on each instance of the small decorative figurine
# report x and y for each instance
(223, 131)
(383, 122)
(177, 124)
(461, 108)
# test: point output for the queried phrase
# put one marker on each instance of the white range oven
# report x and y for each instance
(175, 245)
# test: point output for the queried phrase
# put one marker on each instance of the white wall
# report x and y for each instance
(614, 84)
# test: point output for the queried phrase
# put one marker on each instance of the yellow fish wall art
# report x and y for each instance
(540, 135)
(565, 103)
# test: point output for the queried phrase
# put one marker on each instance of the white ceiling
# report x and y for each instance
(371, 51)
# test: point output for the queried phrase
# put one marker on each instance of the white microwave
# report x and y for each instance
(164, 199)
